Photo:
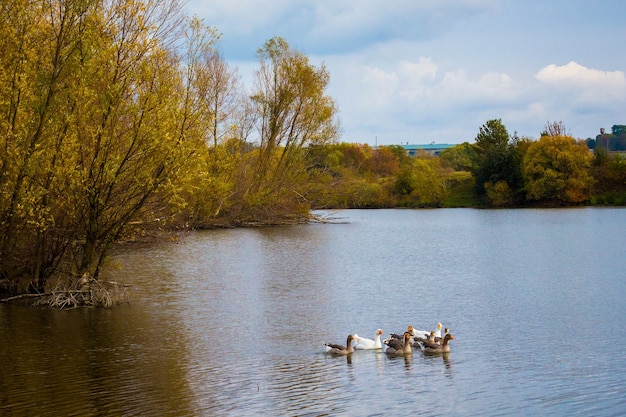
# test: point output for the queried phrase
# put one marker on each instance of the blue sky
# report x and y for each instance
(426, 71)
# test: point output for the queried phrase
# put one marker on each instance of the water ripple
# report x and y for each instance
(232, 322)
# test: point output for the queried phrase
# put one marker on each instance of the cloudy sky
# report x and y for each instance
(422, 71)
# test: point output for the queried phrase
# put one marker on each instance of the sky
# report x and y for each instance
(425, 71)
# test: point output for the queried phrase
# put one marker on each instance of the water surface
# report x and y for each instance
(232, 322)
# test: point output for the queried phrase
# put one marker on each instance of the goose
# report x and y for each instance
(428, 338)
(425, 334)
(334, 349)
(393, 343)
(438, 331)
(399, 347)
(438, 340)
(400, 336)
(364, 343)
(420, 334)
(418, 342)
(443, 347)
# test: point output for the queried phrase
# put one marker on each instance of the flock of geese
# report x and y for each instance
(396, 344)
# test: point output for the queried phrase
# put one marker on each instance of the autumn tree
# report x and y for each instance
(293, 112)
(355, 155)
(40, 45)
(383, 162)
(211, 114)
(423, 184)
(557, 168)
(132, 130)
(94, 128)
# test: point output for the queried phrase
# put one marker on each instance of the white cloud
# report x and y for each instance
(416, 99)
(425, 70)
(489, 89)
(587, 83)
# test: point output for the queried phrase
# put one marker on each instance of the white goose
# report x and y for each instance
(425, 334)
(367, 344)
(438, 331)
(439, 340)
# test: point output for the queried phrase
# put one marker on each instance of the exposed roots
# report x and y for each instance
(85, 292)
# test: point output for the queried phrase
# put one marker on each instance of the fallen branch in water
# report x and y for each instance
(21, 296)
(83, 292)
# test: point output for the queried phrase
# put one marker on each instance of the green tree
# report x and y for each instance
(495, 159)
(458, 157)
(618, 129)
(609, 172)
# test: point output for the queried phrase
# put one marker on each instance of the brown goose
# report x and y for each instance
(400, 337)
(443, 347)
(397, 347)
(334, 349)
(418, 342)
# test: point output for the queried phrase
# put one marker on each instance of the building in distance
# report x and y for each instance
(431, 148)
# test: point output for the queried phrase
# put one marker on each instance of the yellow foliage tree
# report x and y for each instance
(293, 112)
(557, 168)
(428, 185)
(93, 129)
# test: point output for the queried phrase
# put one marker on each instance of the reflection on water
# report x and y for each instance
(232, 322)
(60, 362)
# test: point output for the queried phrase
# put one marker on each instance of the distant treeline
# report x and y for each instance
(614, 141)
(497, 170)
(120, 120)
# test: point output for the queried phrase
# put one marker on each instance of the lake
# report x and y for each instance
(233, 322)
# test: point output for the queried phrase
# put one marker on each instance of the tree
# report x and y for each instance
(618, 129)
(458, 157)
(428, 185)
(495, 159)
(383, 162)
(619, 140)
(555, 129)
(94, 128)
(40, 45)
(556, 168)
(209, 113)
(293, 112)
(132, 130)
(213, 83)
